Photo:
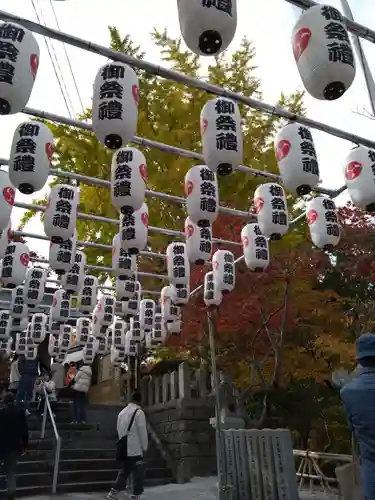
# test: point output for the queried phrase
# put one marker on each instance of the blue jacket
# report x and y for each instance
(28, 366)
(358, 397)
(14, 434)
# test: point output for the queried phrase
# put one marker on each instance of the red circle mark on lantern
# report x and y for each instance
(25, 259)
(258, 204)
(189, 231)
(164, 299)
(189, 186)
(215, 265)
(301, 42)
(9, 195)
(144, 218)
(54, 302)
(135, 92)
(49, 151)
(282, 149)
(245, 241)
(143, 172)
(204, 125)
(34, 64)
(312, 216)
(353, 170)
(100, 307)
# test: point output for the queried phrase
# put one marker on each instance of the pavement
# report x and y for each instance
(197, 489)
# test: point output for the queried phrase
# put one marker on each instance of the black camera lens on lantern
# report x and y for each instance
(133, 251)
(224, 169)
(113, 141)
(4, 107)
(26, 188)
(334, 91)
(210, 42)
(303, 189)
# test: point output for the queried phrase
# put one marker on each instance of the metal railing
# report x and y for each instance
(48, 411)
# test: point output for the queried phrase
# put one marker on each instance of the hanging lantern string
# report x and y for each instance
(355, 28)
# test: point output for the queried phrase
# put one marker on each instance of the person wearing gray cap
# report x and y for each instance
(358, 397)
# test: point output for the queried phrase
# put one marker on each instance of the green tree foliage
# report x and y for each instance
(169, 112)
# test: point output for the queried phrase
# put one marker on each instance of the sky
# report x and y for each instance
(267, 23)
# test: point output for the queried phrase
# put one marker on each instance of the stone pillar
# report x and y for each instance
(184, 373)
(173, 377)
(150, 390)
(144, 390)
(165, 387)
(157, 389)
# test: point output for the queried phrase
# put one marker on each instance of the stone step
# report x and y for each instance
(41, 444)
(152, 461)
(31, 466)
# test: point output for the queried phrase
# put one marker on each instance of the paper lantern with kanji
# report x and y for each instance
(53, 326)
(198, 242)
(131, 345)
(89, 351)
(212, 294)
(202, 195)
(53, 346)
(128, 180)
(119, 331)
(117, 355)
(125, 289)
(34, 286)
(30, 156)
(271, 209)
(62, 255)
(221, 134)
(5, 320)
(61, 304)
(5, 238)
(124, 264)
(207, 27)
(135, 328)
(180, 294)
(359, 171)
(174, 327)
(83, 327)
(178, 265)
(20, 344)
(296, 158)
(323, 222)
(115, 104)
(166, 303)
(7, 196)
(134, 230)
(158, 333)
(15, 262)
(5, 348)
(224, 270)
(19, 324)
(38, 327)
(255, 248)
(60, 215)
(74, 279)
(65, 338)
(110, 337)
(147, 314)
(18, 307)
(87, 295)
(19, 67)
(98, 330)
(323, 52)
(105, 309)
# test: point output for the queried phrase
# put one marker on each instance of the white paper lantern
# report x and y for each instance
(5, 319)
(134, 230)
(115, 104)
(105, 310)
(224, 270)
(60, 215)
(323, 222)
(15, 262)
(166, 295)
(5, 348)
(198, 242)
(158, 333)
(119, 332)
(102, 346)
(53, 326)
(124, 264)
(38, 327)
(18, 307)
(117, 355)
(30, 156)
(125, 289)
(65, 338)
(61, 304)
(174, 327)
(130, 307)
(99, 331)
(5, 238)
(136, 332)
(83, 327)
(89, 351)
(323, 52)
(131, 346)
(178, 265)
(53, 346)
(180, 294)
(272, 211)
(7, 195)
(20, 61)
(221, 133)
(74, 279)
(18, 324)
(359, 171)
(110, 337)
(296, 158)
(128, 180)
(87, 296)
(202, 195)
(147, 314)
(31, 352)
(34, 286)
(20, 344)
(212, 294)
(207, 27)
(255, 248)
(62, 255)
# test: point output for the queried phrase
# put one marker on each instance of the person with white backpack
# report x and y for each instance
(131, 447)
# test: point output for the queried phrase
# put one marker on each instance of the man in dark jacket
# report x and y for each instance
(28, 370)
(14, 440)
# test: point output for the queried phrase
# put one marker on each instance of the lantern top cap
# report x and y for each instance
(365, 346)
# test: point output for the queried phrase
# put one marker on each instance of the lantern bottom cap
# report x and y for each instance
(113, 141)
(224, 169)
(127, 210)
(4, 107)
(25, 188)
(303, 189)
(334, 90)
(370, 207)
(275, 237)
(210, 42)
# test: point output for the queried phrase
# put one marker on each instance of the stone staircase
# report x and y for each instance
(87, 462)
